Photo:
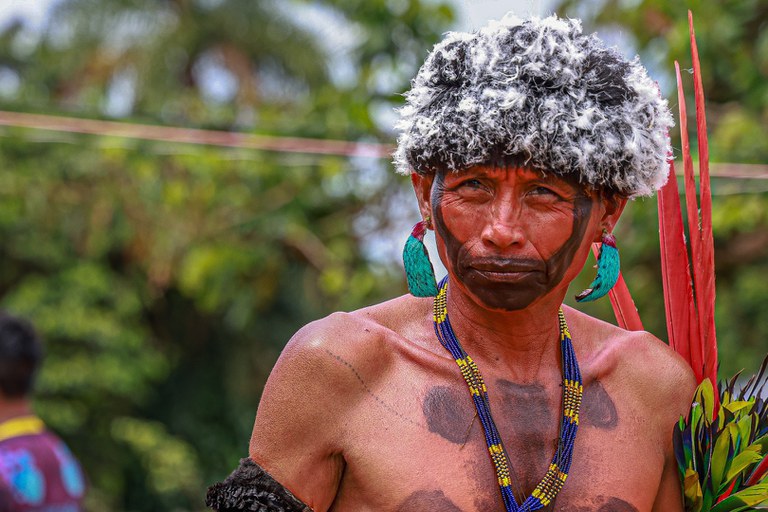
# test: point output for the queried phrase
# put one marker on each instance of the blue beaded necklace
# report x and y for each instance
(555, 476)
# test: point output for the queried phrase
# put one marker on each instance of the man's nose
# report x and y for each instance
(505, 226)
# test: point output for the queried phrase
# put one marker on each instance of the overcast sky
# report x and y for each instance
(472, 14)
(31, 9)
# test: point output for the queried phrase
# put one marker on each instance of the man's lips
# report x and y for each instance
(506, 270)
(507, 266)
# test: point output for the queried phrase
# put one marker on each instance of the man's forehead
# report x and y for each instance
(522, 172)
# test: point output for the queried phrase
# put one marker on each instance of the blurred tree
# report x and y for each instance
(165, 277)
(732, 40)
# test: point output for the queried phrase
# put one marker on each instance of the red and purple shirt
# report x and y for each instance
(37, 471)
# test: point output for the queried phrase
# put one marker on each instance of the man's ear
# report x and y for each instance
(613, 206)
(422, 186)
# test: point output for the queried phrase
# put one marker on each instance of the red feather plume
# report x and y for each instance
(690, 303)
(675, 273)
(689, 285)
(689, 288)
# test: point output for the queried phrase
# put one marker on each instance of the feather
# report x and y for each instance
(418, 269)
(759, 472)
(676, 275)
(607, 271)
(696, 348)
(701, 351)
(727, 492)
(751, 389)
(705, 271)
(721, 448)
(623, 306)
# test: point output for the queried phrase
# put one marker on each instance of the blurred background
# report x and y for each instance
(166, 268)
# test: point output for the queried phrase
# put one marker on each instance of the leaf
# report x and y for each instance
(760, 445)
(692, 491)
(720, 459)
(757, 494)
(738, 405)
(759, 472)
(705, 395)
(741, 462)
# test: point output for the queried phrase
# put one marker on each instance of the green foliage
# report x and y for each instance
(171, 465)
(166, 278)
(153, 276)
(722, 454)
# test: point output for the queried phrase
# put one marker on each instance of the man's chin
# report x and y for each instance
(505, 293)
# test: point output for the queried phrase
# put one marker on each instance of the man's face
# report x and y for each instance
(509, 236)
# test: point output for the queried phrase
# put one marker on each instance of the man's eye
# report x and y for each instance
(472, 184)
(545, 191)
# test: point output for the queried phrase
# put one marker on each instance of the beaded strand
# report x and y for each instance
(556, 474)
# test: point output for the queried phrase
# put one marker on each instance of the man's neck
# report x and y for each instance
(523, 343)
(13, 408)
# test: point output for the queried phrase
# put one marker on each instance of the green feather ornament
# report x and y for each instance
(418, 269)
(722, 448)
(608, 266)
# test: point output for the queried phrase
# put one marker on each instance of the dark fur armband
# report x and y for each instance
(251, 488)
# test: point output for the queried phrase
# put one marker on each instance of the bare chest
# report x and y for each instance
(421, 446)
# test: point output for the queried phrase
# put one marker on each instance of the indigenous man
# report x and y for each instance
(37, 470)
(523, 142)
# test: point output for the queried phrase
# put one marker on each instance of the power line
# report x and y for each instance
(195, 136)
(266, 142)
(731, 170)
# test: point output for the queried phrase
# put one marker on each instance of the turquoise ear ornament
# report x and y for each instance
(607, 270)
(418, 269)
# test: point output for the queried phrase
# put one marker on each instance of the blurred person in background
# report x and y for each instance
(37, 470)
(523, 142)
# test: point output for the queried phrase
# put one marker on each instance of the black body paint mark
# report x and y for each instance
(368, 390)
(605, 504)
(489, 504)
(512, 296)
(617, 505)
(428, 501)
(597, 407)
(534, 429)
(524, 406)
(480, 470)
(449, 413)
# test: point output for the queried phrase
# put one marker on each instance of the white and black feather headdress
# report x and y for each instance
(540, 94)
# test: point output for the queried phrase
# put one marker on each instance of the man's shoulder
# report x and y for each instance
(368, 339)
(638, 362)
(327, 378)
(613, 346)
